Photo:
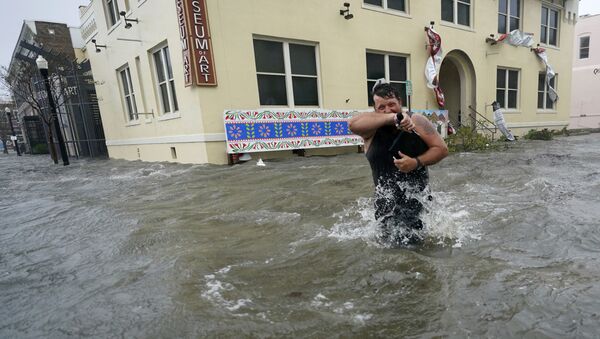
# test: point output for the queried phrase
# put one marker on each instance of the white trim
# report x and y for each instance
(506, 89)
(457, 26)
(386, 66)
(132, 123)
(545, 92)
(112, 29)
(509, 16)
(173, 139)
(391, 11)
(287, 68)
(318, 68)
(538, 124)
(550, 3)
(109, 11)
(169, 116)
(557, 9)
(550, 47)
(580, 48)
(455, 23)
(160, 49)
(129, 116)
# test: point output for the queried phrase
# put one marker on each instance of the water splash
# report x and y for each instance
(216, 288)
(446, 222)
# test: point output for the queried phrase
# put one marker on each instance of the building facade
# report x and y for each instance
(283, 54)
(585, 111)
(72, 87)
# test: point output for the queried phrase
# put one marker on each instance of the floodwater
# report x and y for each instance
(131, 249)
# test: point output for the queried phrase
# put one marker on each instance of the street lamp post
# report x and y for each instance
(42, 65)
(12, 131)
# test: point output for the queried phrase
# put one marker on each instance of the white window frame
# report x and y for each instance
(506, 88)
(112, 6)
(455, 11)
(386, 65)
(384, 7)
(509, 16)
(584, 48)
(127, 83)
(173, 103)
(289, 85)
(545, 91)
(547, 26)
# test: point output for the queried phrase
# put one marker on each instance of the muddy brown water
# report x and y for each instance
(131, 249)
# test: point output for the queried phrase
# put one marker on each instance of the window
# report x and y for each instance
(584, 47)
(457, 11)
(549, 34)
(128, 94)
(166, 83)
(391, 67)
(509, 15)
(398, 5)
(507, 87)
(286, 73)
(544, 101)
(112, 10)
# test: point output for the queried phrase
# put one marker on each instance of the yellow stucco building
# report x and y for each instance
(257, 54)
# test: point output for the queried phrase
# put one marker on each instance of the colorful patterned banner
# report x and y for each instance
(265, 130)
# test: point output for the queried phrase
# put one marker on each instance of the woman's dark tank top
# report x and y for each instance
(391, 185)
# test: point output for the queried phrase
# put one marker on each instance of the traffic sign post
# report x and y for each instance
(409, 93)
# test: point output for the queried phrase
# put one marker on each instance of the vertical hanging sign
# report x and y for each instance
(185, 43)
(196, 43)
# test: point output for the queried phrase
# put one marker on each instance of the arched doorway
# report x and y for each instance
(458, 81)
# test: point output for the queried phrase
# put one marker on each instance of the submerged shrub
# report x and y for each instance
(544, 134)
(564, 131)
(467, 140)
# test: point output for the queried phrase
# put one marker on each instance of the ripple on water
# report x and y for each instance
(132, 249)
(260, 217)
